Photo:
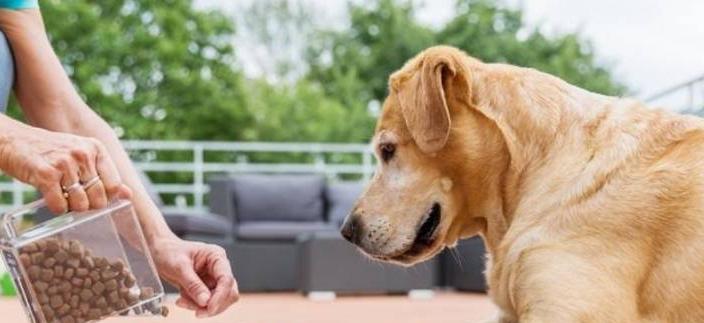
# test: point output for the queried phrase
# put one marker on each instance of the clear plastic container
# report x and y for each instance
(81, 267)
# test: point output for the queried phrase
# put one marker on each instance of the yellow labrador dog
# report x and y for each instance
(591, 207)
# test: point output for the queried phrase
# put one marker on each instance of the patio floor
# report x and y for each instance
(444, 307)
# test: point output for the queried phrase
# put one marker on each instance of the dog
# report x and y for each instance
(591, 207)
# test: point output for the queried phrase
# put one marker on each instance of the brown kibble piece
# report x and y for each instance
(25, 260)
(146, 293)
(84, 307)
(41, 245)
(63, 310)
(86, 295)
(73, 301)
(132, 298)
(98, 288)
(118, 265)
(49, 262)
(88, 262)
(113, 297)
(81, 272)
(58, 271)
(111, 285)
(46, 275)
(56, 301)
(101, 262)
(78, 282)
(42, 298)
(30, 248)
(75, 248)
(41, 286)
(68, 273)
(108, 274)
(48, 312)
(37, 258)
(34, 272)
(95, 275)
(52, 246)
(130, 280)
(73, 263)
(88, 283)
(94, 314)
(101, 302)
(52, 290)
(61, 256)
(65, 286)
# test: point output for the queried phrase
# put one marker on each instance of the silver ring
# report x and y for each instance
(91, 182)
(72, 187)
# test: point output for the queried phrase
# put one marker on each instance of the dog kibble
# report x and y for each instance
(61, 256)
(68, 273)
(98, 288)
(72, 286)
(81, 272)
(46, 275)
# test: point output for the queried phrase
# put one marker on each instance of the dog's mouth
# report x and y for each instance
(425, 236)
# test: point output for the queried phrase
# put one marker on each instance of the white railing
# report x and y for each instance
(197, 160)
(687, 97)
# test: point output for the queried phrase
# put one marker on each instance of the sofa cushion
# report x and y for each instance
(182, 223)
(279, 230)
(341, 198)
(278, 197)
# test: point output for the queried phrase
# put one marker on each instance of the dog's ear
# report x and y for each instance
(423, 102)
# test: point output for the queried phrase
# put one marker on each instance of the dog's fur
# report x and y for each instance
(591, 207)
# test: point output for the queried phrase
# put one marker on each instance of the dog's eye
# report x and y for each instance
(387, 151)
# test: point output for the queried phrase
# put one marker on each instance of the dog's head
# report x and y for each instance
(434, 152)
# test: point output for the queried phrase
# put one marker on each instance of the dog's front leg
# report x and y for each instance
(553, 284)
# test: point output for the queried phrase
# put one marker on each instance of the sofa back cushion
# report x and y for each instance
(278, 197)
(341, 198)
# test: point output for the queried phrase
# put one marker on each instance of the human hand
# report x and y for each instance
(201, 272)
(56, 163)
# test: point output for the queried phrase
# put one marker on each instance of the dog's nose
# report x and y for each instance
(351, 229)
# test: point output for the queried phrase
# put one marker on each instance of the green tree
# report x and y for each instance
(353, 64)
(155, 69)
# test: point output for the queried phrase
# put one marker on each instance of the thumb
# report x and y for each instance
(194, 287)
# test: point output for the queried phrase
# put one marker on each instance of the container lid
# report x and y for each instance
(59, 223)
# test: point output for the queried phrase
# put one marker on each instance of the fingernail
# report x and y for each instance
(202, 298)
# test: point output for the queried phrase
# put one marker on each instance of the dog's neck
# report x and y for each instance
(532, 111)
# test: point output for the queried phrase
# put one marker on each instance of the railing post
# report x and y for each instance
(198, 177)
(366, 165)
(17, 194)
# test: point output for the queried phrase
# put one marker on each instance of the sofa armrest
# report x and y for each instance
(199, 224)
(221, 199)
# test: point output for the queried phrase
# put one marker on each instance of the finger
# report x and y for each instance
(70, 184)
(225, 292)
(193, 286)
(186, 302)
(97, 197)
(108, 173)
(48, 183)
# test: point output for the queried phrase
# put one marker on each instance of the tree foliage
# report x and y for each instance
(164, 70)
(154, 69)
(382, 35)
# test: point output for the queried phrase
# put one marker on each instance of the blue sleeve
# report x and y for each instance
(19, 4)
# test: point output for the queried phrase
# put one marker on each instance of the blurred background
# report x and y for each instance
(204, 91)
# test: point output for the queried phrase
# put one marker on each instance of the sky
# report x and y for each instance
(649, 45)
